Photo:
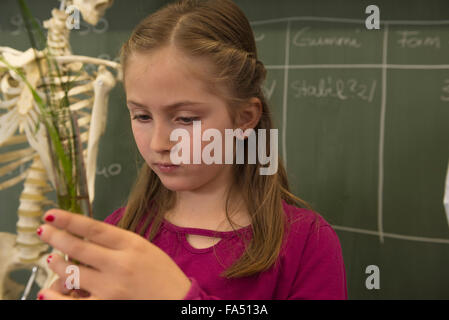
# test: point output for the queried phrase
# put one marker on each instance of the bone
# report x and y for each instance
(19, 114)
(30, 212)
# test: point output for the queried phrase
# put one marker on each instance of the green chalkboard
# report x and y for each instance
(363, 118)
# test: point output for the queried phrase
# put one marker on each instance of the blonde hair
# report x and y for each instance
(218, 31)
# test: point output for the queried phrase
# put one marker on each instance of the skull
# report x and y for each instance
(92, 10)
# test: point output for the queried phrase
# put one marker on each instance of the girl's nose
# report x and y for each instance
(160, 138)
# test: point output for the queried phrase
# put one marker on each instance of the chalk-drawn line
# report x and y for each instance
(285, 96)
(391, 235)
(362, 66)
(348, 20)
(383, 107)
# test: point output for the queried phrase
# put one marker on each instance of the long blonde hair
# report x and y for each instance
(216, 30)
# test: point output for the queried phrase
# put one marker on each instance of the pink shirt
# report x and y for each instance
(310, 265)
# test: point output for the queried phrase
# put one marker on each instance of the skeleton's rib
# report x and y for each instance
(8, 103)
(11, 182)
(65, 79)
(86, 89)
(16, 154)
(14, 165)
(84, 121)
(84, 137)
(9, 123)
(81, 104)
(14, 140)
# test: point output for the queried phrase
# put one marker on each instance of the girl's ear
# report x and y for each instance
(249, 114)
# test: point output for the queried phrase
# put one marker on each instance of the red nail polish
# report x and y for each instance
(39, 231)
(40, 296)
(50, 218)
(49, 258)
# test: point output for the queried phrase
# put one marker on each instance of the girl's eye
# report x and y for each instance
(188, 120)
(141, 117)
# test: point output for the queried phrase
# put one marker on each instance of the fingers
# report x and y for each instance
(78, 249)
(59, 286)
(72, 277)
(98, 232)
(80, 293)
(48, 294)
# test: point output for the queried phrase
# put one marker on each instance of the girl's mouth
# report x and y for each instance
(166, 167)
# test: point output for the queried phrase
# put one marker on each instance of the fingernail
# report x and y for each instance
(50, 218)
(40, 296)
(39, 231)
(49, 258)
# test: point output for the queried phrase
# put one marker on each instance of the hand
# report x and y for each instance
(59, 286)
(115, 263)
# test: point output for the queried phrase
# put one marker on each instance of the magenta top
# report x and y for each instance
(310, 265)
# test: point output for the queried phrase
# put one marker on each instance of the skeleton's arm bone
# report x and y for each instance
(102, 86)
(95, 61)
(10, 50)
(88, 60)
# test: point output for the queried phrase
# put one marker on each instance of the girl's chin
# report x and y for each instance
(173, 185)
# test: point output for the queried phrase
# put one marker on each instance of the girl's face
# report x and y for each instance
(163, 96)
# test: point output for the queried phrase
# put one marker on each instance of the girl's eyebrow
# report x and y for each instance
(174, 106)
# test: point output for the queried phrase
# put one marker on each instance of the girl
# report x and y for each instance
(198, 231)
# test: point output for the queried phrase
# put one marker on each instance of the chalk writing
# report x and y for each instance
(259, 37)
(111, 170)
(301, 39)
(268, 91)
(413, 39)
(445, 89)
(335, 88)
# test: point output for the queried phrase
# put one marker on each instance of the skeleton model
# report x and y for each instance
(18, 115)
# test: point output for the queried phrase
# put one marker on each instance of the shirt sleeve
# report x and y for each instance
(115, 216)
(321, 274)
(197, 293)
